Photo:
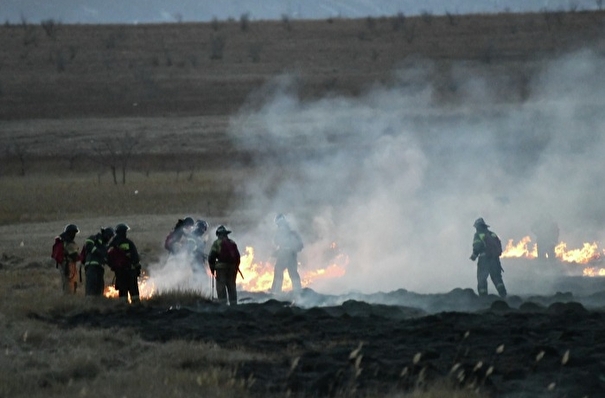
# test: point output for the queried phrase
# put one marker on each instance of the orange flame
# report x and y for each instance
(258, 276)
(146, 289)
(520, 249)
(589, 252)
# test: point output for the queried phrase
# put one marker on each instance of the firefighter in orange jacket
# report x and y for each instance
(123, 258)
(66, 256)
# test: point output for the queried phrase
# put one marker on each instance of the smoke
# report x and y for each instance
(179, 272)
(396, 180)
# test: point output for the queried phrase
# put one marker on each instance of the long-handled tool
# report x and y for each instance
(212, 287)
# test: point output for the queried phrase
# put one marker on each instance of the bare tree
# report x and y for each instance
(50, 27)
(21, 153)
(116, 152)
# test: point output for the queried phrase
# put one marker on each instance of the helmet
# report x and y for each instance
(480, 223)
(201, 227)
(122, 228)
(280, 218)
(221, 230)
(188, 222)
(71, 228)
(107, 233)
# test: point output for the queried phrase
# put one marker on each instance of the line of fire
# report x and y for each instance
(259, 274)
(587, 258)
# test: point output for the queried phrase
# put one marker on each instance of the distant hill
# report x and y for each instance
(145, 11)
(59, 70)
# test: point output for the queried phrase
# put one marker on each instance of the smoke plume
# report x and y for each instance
(396, 178)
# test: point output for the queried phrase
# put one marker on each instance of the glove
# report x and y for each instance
(473, 257)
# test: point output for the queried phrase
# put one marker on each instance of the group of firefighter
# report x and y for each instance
(112, 248)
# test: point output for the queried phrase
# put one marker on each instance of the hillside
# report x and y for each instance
(192, 69)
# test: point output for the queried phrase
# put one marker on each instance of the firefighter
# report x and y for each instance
(487, 247)
(66, 255)
(224, 259)
(94, 258)
(196, 245)
(288, 244)
(124, 260)
(547, 237)
(177, 238)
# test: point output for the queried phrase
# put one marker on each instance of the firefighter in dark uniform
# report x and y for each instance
(224, 259)
(487, 248)
(124, 260)
(94, 254)
(288, 243)
(177, 238)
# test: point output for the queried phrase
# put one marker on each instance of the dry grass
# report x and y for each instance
(47, 360)
(154, 70)
(38, 198)
(98, 81)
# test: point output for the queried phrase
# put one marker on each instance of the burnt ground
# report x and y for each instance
(538, 346)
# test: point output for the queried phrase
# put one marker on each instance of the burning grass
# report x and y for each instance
(587, 257)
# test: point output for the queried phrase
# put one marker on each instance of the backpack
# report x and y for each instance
(493, 246)
(170, 241)
(58, 253)
(117, 259)
(229, 253)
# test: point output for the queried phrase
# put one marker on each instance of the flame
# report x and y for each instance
(520, 249)
(258, 275)
(589, 252)
(146, 289)
(593, 271)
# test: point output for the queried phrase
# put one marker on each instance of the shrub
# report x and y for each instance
(244, 22)
(215, 24)
(49, 27)
(286, 20)
(217, 47)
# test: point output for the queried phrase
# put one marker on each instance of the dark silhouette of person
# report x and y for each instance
(547, 237)
(487, 247)
(224, 260)
(288, 244)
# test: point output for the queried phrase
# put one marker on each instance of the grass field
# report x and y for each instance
(72, 97)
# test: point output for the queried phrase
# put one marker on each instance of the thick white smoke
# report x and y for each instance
(396, 180)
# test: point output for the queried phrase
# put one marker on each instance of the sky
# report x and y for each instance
(155, 11)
